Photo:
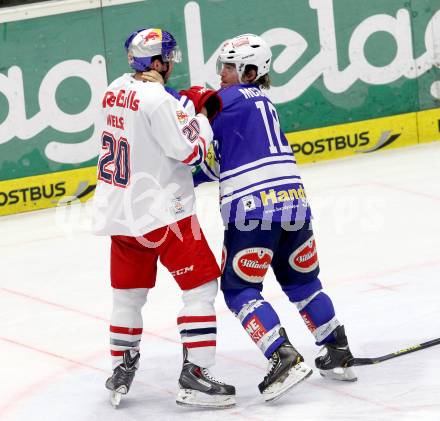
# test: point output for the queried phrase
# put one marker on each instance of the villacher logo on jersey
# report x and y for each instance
(305, 258)
(251, 264)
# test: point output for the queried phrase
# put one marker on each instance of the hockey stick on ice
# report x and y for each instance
(414, 348)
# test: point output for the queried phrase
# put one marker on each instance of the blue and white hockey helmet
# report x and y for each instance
(144, 44)
(243, 50)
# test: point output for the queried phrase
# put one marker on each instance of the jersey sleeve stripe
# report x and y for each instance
(191, 157)
(258, 176)
(251, 165)
(203, 141)
(288, 168)
(184, 100)
(199, 151)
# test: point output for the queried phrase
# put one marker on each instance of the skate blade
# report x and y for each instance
(194, 398)
(116, 395)
(344, 374)
(115, 398)
(296, 375)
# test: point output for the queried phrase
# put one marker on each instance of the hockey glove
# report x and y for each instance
(202, 97)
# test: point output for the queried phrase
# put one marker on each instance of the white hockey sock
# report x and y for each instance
(197, 324)
(126, 321)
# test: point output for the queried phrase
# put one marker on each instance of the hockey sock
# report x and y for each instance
(319, 317)
(316, 309)
(126, 322)
(257, 316)
(197, 324)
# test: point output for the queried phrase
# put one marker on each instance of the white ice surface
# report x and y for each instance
(377, 224)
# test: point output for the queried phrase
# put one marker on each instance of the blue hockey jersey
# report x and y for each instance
(252, 160)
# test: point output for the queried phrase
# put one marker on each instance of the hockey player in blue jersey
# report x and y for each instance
(267, 223)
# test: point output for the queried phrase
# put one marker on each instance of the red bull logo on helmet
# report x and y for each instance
(153, 34)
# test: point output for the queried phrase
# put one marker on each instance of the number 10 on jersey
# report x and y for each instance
(270, 117)
(114, 164)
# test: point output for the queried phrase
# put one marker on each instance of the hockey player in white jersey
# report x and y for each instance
(144, 200)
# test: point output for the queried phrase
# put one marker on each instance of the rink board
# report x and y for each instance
(60, 188)
(366, 136)
(47, 190)
(348, 78)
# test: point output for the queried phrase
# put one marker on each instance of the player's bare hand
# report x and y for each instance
(152, 76)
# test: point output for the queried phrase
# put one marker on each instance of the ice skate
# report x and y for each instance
(335, 360)
(119, 383)
(197, 388)
(286, 369)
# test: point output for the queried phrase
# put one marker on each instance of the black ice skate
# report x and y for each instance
(119, 383)
(286, 369)
(198, 388)
(335, 360)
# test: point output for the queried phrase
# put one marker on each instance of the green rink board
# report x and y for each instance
(334, 62)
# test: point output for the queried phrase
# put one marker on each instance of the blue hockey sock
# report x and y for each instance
(319, 316)
(257, 316)
(316, 309)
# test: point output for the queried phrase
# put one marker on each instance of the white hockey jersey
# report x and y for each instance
(148, 141)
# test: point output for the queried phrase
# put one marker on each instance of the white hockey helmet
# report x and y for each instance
(243, 50)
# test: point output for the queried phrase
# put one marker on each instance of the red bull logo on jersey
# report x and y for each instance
(121, 99)
(305, 258)
(251, 264)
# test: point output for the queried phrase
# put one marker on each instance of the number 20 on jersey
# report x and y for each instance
(114, 164)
